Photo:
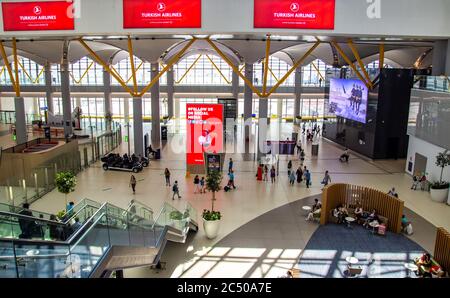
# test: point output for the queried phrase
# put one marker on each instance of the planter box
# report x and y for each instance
(211, 228)
(439, 195)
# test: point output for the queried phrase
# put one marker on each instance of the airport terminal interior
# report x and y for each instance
(225, 139)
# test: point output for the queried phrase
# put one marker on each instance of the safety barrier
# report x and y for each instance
(442, 248)
(386, 205)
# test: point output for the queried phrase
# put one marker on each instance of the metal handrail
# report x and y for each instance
(85, 224)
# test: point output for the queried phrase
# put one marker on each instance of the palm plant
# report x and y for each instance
(213, 181)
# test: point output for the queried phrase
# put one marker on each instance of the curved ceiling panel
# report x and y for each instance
(200, 46)
(254, 50)
(149, 50)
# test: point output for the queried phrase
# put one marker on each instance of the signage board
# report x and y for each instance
(162, 14)
(38, 16)
(204, 131)
(294, 14)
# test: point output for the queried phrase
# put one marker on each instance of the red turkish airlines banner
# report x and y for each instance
(204, 131)
(162, 14)
(37, 15)
(294, 14)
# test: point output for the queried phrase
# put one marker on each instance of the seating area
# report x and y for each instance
(381, 222)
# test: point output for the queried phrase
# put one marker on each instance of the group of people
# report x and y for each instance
(419, 180)
(263, 173)
(428, 268)
(36, 228)
(356, 98)
(199, 184)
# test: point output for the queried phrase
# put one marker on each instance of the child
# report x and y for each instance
(202, 185)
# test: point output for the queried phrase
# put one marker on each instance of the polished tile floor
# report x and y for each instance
(239, 207)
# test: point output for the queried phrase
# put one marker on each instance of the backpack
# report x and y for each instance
(174, 187)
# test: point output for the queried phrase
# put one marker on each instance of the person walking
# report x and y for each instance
(266, 172)
(196, 184)
(167, 176)
(292, 178)
(299, 146)
(326, 179)
(231, 179)
(202, 185)
(230, 165)
(299, 175)
(302, 156)
(175, 190)
(308, 178)
(272, 174)
(133, 183)
(289, 166)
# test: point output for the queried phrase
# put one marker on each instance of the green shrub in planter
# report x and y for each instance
(440, 185)
(177, 215)
(65, 183)
(211, 215)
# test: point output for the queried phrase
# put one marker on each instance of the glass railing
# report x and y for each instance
(191, 212)
(29, 247)
(141, 210)
(432, 83)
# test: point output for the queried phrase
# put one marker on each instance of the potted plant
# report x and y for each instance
(65, 182)
(211, 218)
(439, 189)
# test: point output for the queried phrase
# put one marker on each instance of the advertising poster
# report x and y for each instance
(162, 14)
(294, 14)
(213, 163)
(348, 99)
(37, 15)
(204, 131)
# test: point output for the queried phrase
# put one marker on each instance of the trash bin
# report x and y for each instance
(315, 150)
(158, 154)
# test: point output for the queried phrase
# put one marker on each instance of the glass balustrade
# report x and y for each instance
(37, 247)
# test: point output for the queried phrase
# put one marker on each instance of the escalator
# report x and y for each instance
(108, 238)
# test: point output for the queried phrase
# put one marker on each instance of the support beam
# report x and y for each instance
(156, 117)
(298, 92)
(248, 101)
(169, 65)
(48, 86)
(293, 68)
(138, 129)
(189, 69)
(21, 123)
(266, 65)
(133, 69)
(218, 70)
(16, 66)
(360, 63)
(262, 125)
(235, 69)
(65, 91)
(381, 62)
(8, 67)
(347, 60)
(170, 92)
(107, 96)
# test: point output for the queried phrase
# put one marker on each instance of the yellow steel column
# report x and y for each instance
(318, 71)
(189, 69)
(294, 67)
(235, 69)
(8, 66)
(133, 69)
(218, 69)
(266, 65)
(168, 66)
(347, 60)
(381, 62)
(358, 58)
(16, 66)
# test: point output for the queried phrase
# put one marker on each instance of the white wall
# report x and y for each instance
(412, 18)
(430, 151)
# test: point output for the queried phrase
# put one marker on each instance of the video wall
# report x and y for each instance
(348, 99)
(204, 131)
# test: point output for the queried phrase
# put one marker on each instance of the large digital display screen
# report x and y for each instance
(294, 14)
(204, 131)
(348, 99)
(162, 14)
(37, 15)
